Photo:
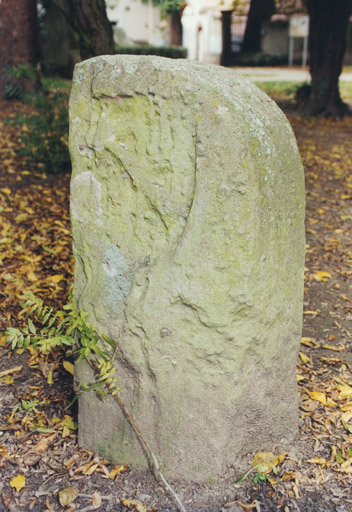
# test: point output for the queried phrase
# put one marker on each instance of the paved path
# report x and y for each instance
(258, 74)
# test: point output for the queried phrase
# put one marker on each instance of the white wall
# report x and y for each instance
(141, 22)
(201, 23)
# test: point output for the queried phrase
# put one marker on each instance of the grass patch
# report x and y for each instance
(50, 83)
(346, 91)
(285, 91)
(280, 90)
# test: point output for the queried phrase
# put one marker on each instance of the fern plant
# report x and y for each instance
(67, 328)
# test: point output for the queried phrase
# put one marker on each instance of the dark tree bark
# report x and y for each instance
(226, 21)
(259, 11)
(88, 18)
(175, 27)
(327, 46)
(93, 27)
(18, 41)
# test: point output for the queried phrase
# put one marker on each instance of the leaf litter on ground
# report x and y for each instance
(39, 453)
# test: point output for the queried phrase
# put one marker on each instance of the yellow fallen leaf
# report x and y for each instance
(18, 482)
(318, 396)
(273, 482)
(11, 370)
(310, 312)
(65, 431)
(295, 490)
(44, 443)
(299, 377)
(21, 217)
(345, 391)
(322, 275)
(92, 469)
(332, 347)
(264, 462)
(67, 496)
(131, 503)
(50, 377)
(318, 460)
(117, 470)
(347, 299)
(347, 463)
(55, 279)
(309, 342)
(330, 360)
(69, 367)
(346, 407)
(31, 276)
(8, 380)
(96, 499)
(345, 418)
(6, 191)
(304, 358)
(84, 467)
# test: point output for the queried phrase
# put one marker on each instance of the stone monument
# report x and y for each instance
(187, 201)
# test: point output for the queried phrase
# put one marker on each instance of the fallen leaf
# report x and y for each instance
(265, 462)
(18, 482)
(9, 503)
(318, 460)
(346, 407)
(117, 470)
(11, 370)
(69, 367)
(96, 499)
(305, 359)
(84, 468)
(318, 396)
(55, 279)
(321, 275)
(44, 443)
(50, 377)
(67, 496)
(92, 469)
(309, 342)
(136, 504)
(7, 380)
(332, 347)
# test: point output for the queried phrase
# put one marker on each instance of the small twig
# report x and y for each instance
(84, 495)
(87, 509)
(154, 461)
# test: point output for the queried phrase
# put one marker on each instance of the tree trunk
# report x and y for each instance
(226, 54)
(18, 42)
(327, 46)
(175, 27)
(88, 18)
(259, 11)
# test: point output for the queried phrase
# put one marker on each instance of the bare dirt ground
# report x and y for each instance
(39, 455)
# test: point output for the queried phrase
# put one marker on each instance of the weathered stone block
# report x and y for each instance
(188, 212)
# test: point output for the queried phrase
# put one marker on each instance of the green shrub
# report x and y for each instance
(172, 52)
(44, 134)
(281, 89)
(16, 78)
(261, 59)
